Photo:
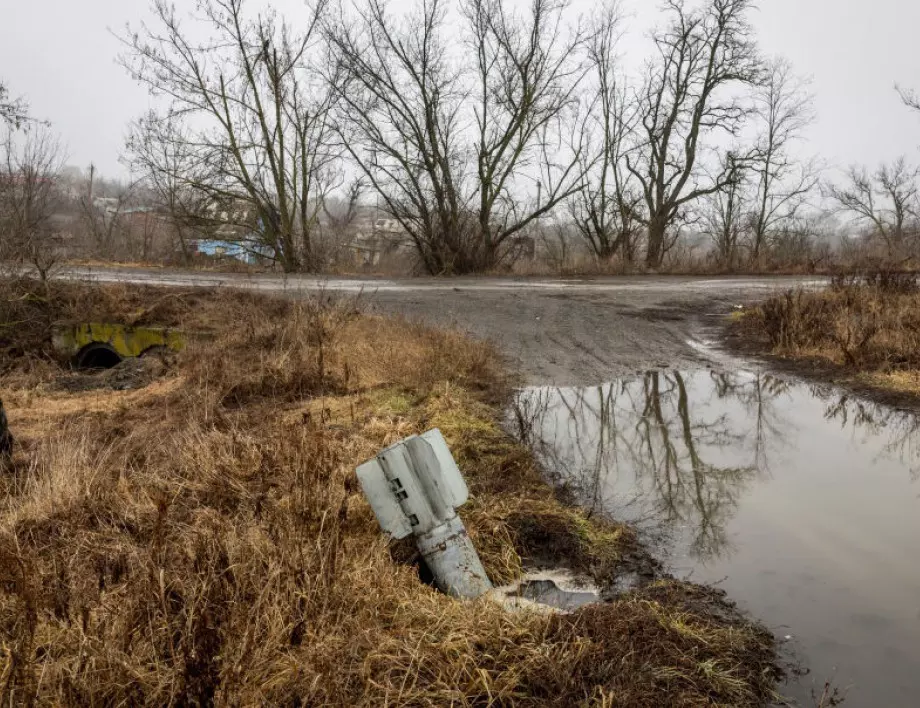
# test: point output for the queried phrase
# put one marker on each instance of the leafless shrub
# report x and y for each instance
(29, 168)
(886, 280)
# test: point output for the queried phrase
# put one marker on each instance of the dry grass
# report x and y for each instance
(867, 325)
(203, 539)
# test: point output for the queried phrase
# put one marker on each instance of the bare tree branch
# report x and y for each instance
(248, 116)
(701, 56)
(13, 112)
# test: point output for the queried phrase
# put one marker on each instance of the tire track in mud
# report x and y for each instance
(579, 339)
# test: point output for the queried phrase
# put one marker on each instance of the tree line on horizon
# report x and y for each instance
(477, 126)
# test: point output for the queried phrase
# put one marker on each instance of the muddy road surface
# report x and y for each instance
(554, 331)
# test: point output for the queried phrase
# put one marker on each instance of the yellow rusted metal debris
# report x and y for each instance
(124, 340)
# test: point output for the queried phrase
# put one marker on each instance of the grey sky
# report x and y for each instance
(60, 55)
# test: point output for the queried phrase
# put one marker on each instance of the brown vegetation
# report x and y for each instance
(202, 537)
(864, 324)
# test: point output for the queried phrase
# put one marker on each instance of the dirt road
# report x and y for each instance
(557, 331)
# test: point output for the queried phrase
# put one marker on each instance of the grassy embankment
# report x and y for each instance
(862, 330)
(201, 535)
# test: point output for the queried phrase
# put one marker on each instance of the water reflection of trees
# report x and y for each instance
(898, 428)
(687, 461)
(682, 449)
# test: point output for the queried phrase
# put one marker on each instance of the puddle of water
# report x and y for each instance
(556, 590)
(802, 503)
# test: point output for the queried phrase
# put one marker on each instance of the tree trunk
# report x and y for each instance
(606, 252)
(759, 237)
(308, 260)
(183, 246)
(656, 232)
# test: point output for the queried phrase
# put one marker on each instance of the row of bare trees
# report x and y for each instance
(49, 212)
(473, 121)
(465, 141)
(476, 123)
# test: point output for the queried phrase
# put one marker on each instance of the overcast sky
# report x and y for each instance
(60, 55)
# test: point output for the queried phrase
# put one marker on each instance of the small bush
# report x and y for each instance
(895, 282)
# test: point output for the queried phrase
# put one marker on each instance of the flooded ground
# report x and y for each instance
(802, 503)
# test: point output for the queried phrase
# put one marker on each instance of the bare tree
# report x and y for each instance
(171, 171)
(399, 120)
(28, 199)
(250, 114)
(407, 103)
(527, 75)
(784, 109)
(885, 200)
(13, 112)
(702, 55)
(724, 217)
(606, 209)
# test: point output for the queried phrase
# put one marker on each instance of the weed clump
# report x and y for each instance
(867, 323)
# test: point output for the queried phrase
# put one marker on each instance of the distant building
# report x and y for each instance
(233, 220)
(377, 238)
(109, 205)
(245, 251)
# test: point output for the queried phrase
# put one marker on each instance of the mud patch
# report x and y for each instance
(127, 375)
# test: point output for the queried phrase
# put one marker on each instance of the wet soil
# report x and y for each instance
(129, 374)
(582, 337)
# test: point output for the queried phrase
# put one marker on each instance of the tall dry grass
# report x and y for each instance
(866, 323)
(203, 540)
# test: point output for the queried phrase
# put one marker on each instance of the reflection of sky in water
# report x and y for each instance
(804, 505)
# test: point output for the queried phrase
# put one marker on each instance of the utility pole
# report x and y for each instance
(92, 177)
